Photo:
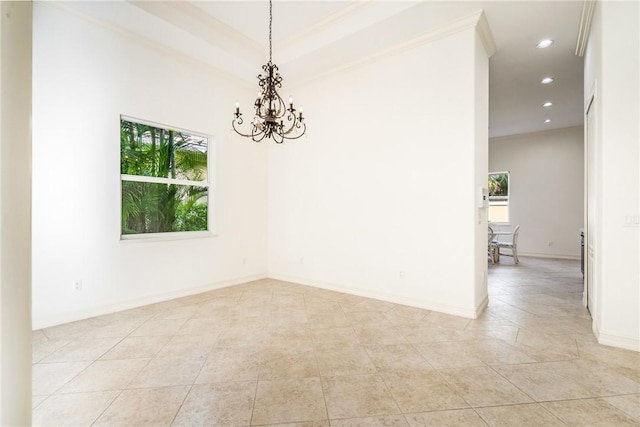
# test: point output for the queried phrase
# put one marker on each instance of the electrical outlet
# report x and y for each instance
(77, 286)
(401, 274)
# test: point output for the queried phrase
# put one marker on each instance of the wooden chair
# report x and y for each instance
(491, 248)
(511, 246)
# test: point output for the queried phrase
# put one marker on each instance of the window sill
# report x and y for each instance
(166, 237)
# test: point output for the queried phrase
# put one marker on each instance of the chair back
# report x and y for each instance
(491, 234)
(516, 231)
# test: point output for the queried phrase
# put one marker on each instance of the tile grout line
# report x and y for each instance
(195, 378)
(106, 408)
(255, 393)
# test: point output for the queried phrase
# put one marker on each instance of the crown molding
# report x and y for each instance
(588, 7)
(446, 30)
(205, 27)
(526, 135)
(323, 25)
(355, 17)
(485, 34)
(475, 20)
(147, 42)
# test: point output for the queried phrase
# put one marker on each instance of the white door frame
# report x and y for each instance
(591, 200)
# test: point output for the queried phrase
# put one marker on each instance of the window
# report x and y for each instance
(499, 197)
(165, 179)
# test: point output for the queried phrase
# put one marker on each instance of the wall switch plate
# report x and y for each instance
(632, 220)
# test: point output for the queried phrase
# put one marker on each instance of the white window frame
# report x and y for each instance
(208, 183)
(494, 202)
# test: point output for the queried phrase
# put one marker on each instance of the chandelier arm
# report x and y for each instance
(255, 135)
(259, 137)
(295, 124)
(291, 119)
(278, 138)
(233, 124)
(258, 133)
(282, 107)
(297, 136)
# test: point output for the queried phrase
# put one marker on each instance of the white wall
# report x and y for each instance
(612, 69)
(84, 77)
(15, 213)
(546, 189)
(380, 198)
(480, 167)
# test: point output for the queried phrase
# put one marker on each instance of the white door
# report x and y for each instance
(592, 145)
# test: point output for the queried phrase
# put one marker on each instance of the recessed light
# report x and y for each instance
(544, 43)
(547, 120)
(546, 80)
(547, 104)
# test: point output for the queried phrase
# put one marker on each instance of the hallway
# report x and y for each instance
(542, 294)
(274, 353)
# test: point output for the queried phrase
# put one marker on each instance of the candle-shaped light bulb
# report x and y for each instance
(300, 115)
(237, 107)
(291, 102)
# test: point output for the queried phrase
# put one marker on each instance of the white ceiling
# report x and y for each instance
(311, 38)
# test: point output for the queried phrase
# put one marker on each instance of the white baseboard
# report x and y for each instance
(550, 256)
(48, 321)
(470, 313)
(482, 306)
(614, 340)
(603, 337)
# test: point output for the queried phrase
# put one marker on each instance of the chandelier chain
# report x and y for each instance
(270, 21)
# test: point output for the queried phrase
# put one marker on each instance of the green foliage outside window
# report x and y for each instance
(164, 179)
(499, 185)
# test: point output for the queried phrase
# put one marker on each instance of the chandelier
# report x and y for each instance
(272, 118)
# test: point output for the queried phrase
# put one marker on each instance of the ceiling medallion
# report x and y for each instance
(272, 118)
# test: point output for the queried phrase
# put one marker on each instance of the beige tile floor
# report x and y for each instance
(277, 353)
